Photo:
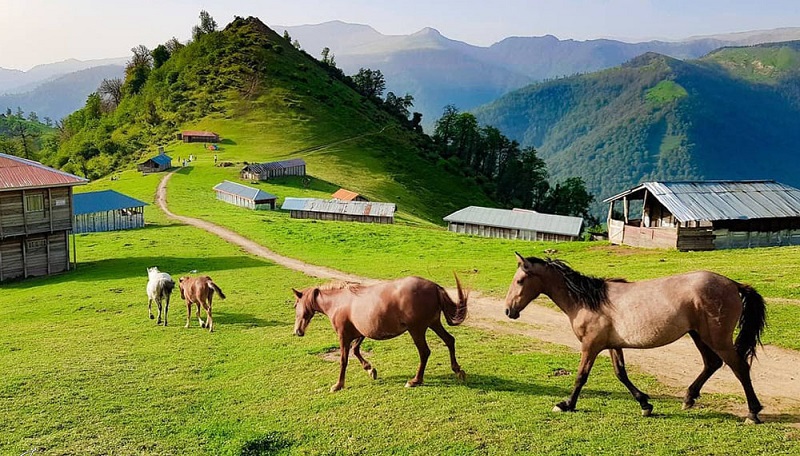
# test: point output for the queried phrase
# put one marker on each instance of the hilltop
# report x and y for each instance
(733, 114)
(269, 101)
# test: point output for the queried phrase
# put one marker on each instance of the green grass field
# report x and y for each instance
(84, 371)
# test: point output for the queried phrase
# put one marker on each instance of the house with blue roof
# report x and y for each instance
(106, 210)
(160, 162)
(244, 196)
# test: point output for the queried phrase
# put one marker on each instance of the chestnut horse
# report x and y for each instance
(614, 314)
(383, 311)
(199, 290)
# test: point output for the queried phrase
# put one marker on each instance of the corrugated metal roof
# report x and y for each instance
(102, 201)
(19, 173)
(260, 167)
(162, 159)
(518, 219)
(345, 195)
(205, 134)
(244, 191)
(340, 207)
(723, 200)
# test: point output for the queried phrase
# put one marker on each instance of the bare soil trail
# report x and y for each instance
(776, 371)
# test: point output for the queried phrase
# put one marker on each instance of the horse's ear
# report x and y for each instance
(297, 293)
(523, 262)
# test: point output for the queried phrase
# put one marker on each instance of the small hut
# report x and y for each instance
(347, 195)
(107, 210)
(514, 224)
(244, 196)
(350, 211)
(264, 171)
(705, 215)
(160, 162)
(194, 136)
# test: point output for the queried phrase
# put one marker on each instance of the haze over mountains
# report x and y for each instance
(436, 70)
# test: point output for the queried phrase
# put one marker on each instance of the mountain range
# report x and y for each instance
(439, 71)
(436, 70)
(733, 114)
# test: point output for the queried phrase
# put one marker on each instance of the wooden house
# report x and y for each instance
(160, 162)
(347, 195)
(107, 210)
(244, 196)
(705, 215)
(349, 211)
(265, 171)
(514, 224)
(194, 136)
(35, 218)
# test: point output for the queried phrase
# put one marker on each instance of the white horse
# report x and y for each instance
(159, 287)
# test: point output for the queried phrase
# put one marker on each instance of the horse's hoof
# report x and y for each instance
(647, 410)
(373, 373)
(410, 384)
(562, 407)
(752, 420)
(152, 317)
(558, 409)
(336, 388)
(461, 375)
(687, 404)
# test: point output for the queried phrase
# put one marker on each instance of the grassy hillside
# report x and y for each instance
(268, 101)
(732, 115)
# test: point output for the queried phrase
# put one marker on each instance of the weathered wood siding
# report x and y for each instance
(35, 255)
(55, 213)
(340, 217)
(240, 201)
(299, 170)
(506, 233)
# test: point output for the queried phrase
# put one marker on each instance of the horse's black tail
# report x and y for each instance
(216, 288)
(168, 286)
(751, 323)
(454, 313)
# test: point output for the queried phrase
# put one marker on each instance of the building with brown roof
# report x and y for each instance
(36, 209)
(347, 195)
(191, 136)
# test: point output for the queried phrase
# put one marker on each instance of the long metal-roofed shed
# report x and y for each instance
(705, 215)
(107, 210)
(244, 196)
(264, 171)
(160, 162)
(514, 224)
(351, 211)
(192, 136)
(35, 218)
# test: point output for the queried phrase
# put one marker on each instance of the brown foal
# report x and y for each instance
(615, 314)
(199, 291)
(383, 311)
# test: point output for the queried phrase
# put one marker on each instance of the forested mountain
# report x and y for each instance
(63, 95)
(734, 114)
(439, 71)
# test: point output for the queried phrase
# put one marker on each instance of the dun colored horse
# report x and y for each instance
(159, 288)
(383, 311)
(199, 291)
(614, 314)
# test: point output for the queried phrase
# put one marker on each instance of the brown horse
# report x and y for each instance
(614, 314)
(199, 291)
(383, 311)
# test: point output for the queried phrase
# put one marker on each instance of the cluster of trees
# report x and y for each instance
(23, 135)
(513, 175)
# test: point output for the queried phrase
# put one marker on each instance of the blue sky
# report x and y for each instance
(43, 31)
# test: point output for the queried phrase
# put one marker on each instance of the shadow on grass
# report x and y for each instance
(243, 319)
(136, 267)
(307, 182)
(185, 170)
(786, 418)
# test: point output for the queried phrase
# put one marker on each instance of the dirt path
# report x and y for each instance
(776, 372)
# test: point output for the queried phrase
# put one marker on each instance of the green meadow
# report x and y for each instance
(84, 371)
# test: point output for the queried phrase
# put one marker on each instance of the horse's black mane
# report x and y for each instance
(589, 291)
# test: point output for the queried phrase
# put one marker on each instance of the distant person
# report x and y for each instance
(215, 159)
(184, 162)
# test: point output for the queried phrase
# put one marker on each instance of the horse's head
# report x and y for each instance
(152, 271)
(304, 309)
(180, 285)
(525, 287)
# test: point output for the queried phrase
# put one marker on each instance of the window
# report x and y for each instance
(34, 203)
